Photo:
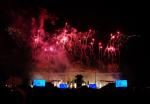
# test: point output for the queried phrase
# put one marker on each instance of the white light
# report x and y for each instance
(75, 85)
(100, 85)
(83, 84)
(31, 86)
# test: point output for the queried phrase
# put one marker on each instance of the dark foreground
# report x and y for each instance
(22, 95)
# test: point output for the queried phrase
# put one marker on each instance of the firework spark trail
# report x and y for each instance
(68, 46)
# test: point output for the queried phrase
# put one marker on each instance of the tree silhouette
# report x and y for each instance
(79, 80)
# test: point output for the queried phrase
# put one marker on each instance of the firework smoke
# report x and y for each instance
(66, 49)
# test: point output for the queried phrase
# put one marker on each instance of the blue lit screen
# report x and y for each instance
(63, 86)
(39, 83)
(92, 86)
(121, 83)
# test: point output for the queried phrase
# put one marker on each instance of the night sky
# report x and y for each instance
(105, 17)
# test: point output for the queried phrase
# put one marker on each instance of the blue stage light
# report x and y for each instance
(93, 86)
(63, 86)
(121, 83)
(39, 83)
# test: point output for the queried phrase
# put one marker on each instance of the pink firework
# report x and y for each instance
(68, 46)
